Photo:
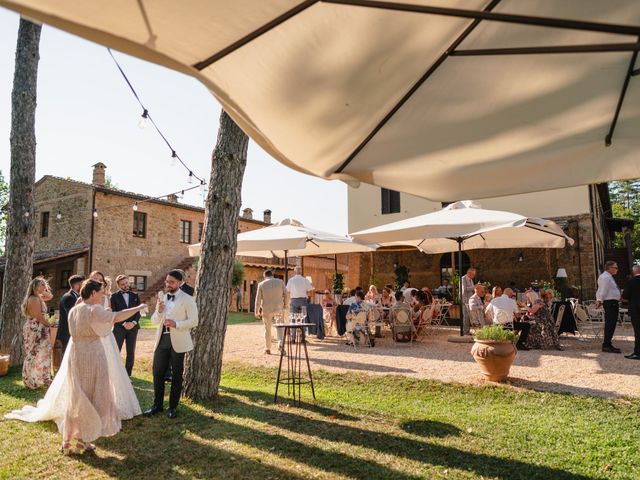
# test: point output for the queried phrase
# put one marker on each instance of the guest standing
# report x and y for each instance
(271, 302)
(67, 302)
(608, 295)
(476, 306)
(127, 331)
(175, 316)
(468, 289)
(631, 293)
(36, 367)
(299, 289)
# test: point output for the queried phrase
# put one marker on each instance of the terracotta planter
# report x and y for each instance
(454, 311)
(4, 364)
(494, 358)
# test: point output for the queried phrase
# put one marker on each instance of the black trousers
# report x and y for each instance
(611, 310)
(523, 328)
(635, 321)
(129, 337)
(164, 356)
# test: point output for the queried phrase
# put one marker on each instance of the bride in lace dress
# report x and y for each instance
(91, 393)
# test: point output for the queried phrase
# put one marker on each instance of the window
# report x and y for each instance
(200, 230)
(138, 283)
(44, 224)
(390, 201)
(446, 269)
(139, 224)
(64, 279)
(185, 231)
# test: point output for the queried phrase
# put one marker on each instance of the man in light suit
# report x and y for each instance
(468, 289)
(176, 314)
(271, 301)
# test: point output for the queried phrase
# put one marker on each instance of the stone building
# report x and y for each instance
(92, 226)
(583, 212)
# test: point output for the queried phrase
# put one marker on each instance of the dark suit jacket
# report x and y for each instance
(186, 288)
(631, 293)
(67, 302)
(118, 304)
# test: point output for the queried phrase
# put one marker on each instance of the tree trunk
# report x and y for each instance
(21, 224)
(204, 364)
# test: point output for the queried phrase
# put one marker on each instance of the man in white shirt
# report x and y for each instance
(299, 289)
(468, 288)
(503, 311)
(408, 296)
(608, 295)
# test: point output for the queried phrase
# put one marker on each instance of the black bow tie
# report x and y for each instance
(171, 297)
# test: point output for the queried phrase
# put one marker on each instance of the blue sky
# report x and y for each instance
(86, 114)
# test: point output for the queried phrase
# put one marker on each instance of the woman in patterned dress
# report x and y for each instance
(543, 334)
(36, 368)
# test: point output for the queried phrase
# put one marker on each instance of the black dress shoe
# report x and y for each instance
(522, 347)
(172, 413)
(152, 411)
(611, 349)
(633, 356)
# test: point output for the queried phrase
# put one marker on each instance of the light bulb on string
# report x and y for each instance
(182, 194)
(144, 119)
(95, 213)
(27, 214)
(135, 207)
(174, 155)
(190, 181)
(202, 186)
(58, 216)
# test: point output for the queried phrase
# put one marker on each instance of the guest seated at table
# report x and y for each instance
(355, 320)
(391, 291)
(445, 290)
(428, 293)
(352, 296)
(496, 292)
(328, 310)
(548, 295)
(408, 293)
(372, 295)
(476, 306)
(543, 334)
(421, 307)
(503, 311)
(387, 300)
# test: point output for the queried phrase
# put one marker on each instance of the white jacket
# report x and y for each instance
(185, 314)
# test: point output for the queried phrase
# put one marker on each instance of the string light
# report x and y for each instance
(58, 216)
(135, 207)
(144, 120)
(95, 213)
(147, 118)
(190, 181)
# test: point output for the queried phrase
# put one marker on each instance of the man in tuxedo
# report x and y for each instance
(176, 314)
(184, 286)
(631, 293)
(271, 302)
(126, 331)
(67, 302)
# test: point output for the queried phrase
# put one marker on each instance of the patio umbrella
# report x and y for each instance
(466, 226)
(444, 99)
(290, 238)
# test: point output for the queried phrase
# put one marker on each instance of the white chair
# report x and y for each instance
(585, 324)
(402, 327)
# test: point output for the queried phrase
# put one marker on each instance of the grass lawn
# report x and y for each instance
(234, 318)
(360, 427)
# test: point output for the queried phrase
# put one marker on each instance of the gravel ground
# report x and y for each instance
(581, 368)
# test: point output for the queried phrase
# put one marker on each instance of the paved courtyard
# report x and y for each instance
(581, 368)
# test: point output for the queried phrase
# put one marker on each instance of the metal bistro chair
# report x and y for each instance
(586, 324)
(425, 321)
(360, 330)
(402, 327)
(442, 309)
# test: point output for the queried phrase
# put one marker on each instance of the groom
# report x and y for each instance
(127, 331)
(175, 316)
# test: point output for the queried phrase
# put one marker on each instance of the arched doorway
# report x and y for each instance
(446, 268)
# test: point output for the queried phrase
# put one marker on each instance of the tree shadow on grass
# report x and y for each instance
(430, 428)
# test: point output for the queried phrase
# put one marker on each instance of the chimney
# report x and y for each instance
(173, 198)
(99, 174)
(267, 216)
(247, 213)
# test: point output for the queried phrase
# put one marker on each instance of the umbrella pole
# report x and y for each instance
(459, 240)
(286, 266)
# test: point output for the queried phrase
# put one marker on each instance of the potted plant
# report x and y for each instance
(494, 351)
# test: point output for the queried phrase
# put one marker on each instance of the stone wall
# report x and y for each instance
(73, 201)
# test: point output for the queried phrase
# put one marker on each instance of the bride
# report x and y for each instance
(91, 393)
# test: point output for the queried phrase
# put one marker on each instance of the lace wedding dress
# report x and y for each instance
(91, 393)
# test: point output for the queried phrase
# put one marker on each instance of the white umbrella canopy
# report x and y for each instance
(291, 238)
(467, 223)
(444, 99)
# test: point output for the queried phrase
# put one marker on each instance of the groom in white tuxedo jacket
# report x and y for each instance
(175, 316)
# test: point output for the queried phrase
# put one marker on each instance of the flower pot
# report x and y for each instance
(494, 358)
(454, 311)
(4, 364)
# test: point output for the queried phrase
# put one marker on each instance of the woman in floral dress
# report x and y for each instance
(36, 368)
(543, 334)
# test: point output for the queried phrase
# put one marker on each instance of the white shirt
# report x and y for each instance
(349, 300)
(125, 295)
(298, 286)
(498, 306)
(607, 288)
(408, 298)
